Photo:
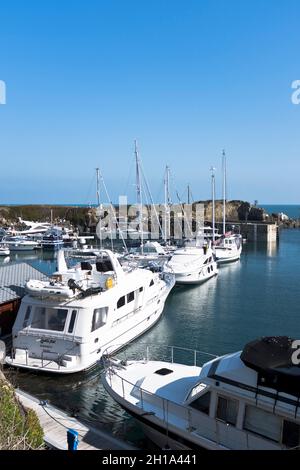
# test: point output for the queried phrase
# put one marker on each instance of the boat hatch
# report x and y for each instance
(163, 371)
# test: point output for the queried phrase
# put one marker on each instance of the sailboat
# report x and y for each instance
(150, 250)
(195, 262)
(228, 247)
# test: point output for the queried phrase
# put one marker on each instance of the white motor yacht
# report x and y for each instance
(193, 264)
(63, 325)
(248, 400)
(4, 249)
(228, 248)
(19, 243)
(149, 251)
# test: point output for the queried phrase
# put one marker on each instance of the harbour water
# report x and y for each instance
(256, 296)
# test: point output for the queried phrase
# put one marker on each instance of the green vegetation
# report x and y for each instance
(19, 427)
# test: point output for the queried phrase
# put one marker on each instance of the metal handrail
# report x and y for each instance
(165, 410)
(106, 356)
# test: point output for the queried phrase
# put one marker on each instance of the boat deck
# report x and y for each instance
(55, 424)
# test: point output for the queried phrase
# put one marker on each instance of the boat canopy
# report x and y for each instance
(271, 358)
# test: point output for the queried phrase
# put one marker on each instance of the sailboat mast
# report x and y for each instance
(188, 189)
(224, 190)
(98, 203)
(213, 201)
(98, 186)
(139, 192)
(167, 203)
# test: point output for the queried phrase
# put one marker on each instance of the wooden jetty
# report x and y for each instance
(55, 424)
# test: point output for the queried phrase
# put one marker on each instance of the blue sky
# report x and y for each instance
(184, 78)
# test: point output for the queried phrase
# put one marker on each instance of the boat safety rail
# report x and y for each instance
(179, 415)
(45, 361)
(153, 352)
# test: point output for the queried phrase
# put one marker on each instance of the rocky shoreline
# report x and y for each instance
(85, 219)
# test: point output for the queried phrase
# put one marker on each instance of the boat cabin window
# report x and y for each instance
(121, 302)
(202, 403)
(72, 321)
(290, 434)
(27, 315)
(130, 297)
(99, 318)
(151, 283)
(141, 289)
(262, 422)
(86, 266)
(104, 265)
(49, 318)
(227, 410)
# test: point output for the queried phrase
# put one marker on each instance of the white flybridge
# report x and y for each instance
(64, 324)
(229, 247)
(248, 400)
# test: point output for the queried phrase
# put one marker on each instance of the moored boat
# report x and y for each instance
(248, 400)
(63, 325)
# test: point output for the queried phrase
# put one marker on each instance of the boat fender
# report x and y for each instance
(109, 283)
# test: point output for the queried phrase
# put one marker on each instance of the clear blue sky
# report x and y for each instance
(186, 78)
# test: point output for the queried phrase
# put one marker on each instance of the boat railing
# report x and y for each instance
(153, 352)
(57, 360)
(180, 415)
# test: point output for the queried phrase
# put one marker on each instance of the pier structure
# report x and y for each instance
(56, 423)
(255, 231)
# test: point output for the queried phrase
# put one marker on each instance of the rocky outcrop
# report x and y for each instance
(236, 211)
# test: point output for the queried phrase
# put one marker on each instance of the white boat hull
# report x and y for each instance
(4, 252)
(195, 277)
(20, 247)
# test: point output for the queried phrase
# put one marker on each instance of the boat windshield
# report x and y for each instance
(49, 318)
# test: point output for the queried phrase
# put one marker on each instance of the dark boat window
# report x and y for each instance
(290, 434)
(202, 403)
(262, 423)
(151, 283)
(141, 289)
(130, 297)
(45, 318)
(163, 371)
(121, 302)
(86, 266)
(227, 410)
(72, 321)
(27, 315)
(99, 318)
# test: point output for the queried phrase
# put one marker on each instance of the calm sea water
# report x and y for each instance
(257, 296)
(292, 210)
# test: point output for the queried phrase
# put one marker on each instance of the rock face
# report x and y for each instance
(86, 218)
(235, 211)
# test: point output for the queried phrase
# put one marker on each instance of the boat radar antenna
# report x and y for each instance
(212, 169)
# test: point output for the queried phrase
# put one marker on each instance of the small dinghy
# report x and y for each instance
(49, 288)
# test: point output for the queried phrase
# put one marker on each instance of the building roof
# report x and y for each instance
(13, 278)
